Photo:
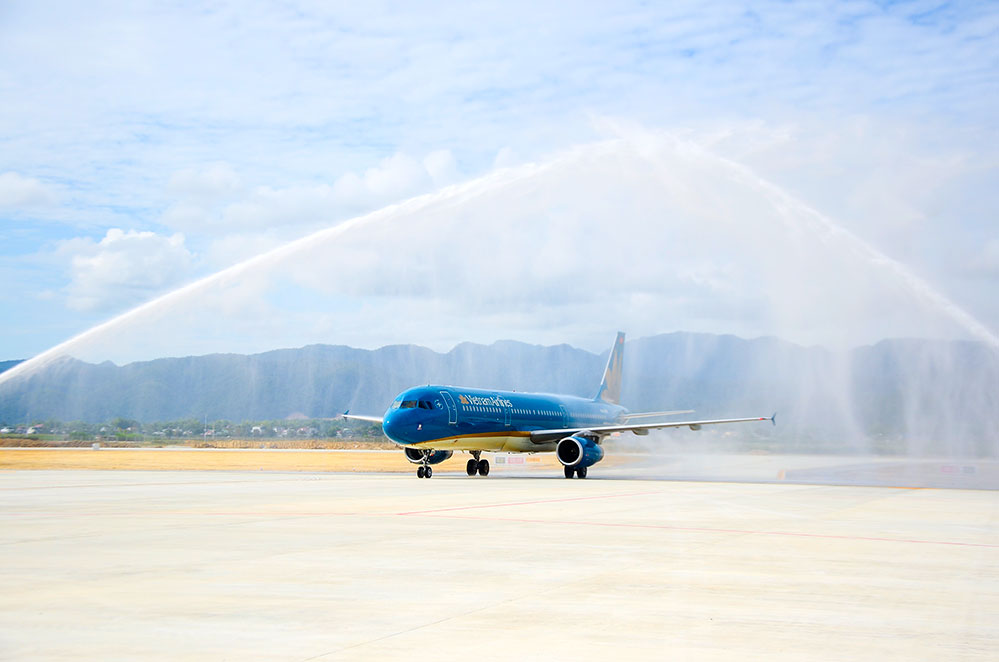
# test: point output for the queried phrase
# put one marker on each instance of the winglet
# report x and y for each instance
(773, 419)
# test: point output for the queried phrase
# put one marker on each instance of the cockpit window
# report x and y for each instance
(412, 404)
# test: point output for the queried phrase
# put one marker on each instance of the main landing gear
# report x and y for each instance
(580, 472)
(476, 465)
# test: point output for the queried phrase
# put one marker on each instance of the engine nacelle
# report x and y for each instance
(578, 452)
(415, 455)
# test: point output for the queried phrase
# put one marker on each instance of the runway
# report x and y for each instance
(120, 565)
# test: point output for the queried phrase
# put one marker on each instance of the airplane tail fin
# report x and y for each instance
(610, 385)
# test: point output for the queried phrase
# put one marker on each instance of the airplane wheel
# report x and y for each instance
(428, 473)
(569, 471)
(421, 471)
(483, 467)
(581, 472)
(471, 467)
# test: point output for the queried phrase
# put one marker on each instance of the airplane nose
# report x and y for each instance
(391, 426)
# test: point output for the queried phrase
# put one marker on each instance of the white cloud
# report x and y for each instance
(268, 208)
(19, 191)
(648, 233)
(506, 157)
(441, 166)
(187, 217)
(206, 185)
(986, 263)
(233, 248)
(395, 178)
(123, 268)
(281, 99)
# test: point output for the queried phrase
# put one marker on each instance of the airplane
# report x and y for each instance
(432, 422)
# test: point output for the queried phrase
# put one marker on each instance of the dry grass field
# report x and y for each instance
(13, 441)
(187, 459)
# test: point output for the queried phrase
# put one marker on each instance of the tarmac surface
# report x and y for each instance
(257, 565)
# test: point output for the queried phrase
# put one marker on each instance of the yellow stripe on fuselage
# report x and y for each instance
(513, 441)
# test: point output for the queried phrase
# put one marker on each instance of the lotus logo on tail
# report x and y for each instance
(610, 386)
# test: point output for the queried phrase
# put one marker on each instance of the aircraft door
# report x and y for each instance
(506, 415)
(565, 416)
(452, 410)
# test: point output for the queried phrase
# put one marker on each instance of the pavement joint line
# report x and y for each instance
(414, 628)
(550, 590)
(529, 503)
(697, 529)
(167, 484)
(187, 513)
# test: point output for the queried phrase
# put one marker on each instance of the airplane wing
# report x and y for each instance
(653, 414)
(366, 419)
(545, 436)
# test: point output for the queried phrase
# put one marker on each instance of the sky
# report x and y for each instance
(825, 172)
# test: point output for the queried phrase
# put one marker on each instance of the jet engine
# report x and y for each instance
(578, 452)
(415, 455)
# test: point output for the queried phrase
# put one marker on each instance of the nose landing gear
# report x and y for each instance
(478, 465)
(424, 471)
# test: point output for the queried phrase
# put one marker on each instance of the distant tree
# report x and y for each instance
(124, 424)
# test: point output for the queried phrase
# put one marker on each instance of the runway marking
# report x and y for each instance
(193, 482)
(699, 529)
(529, 503)
(414, 628)
(70, 513)
(189, 513)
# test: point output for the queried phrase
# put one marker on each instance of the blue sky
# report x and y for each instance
(146, 145)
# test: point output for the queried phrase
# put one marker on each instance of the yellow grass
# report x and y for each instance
(174, 459)
(11, 441)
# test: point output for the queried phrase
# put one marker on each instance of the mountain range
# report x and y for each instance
(933, 395)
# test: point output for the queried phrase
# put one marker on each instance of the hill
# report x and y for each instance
(928, 393)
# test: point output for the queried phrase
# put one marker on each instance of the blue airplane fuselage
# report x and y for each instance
(468, 419)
